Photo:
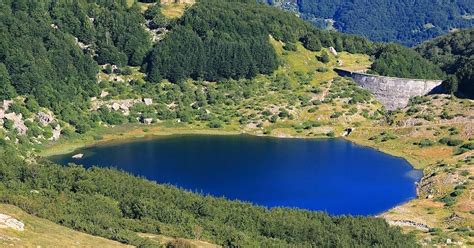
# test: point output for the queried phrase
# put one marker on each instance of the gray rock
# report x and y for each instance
(147, 121)
(148, 101)
(7, 221)
(104, 94)
(6, 104)
(78, 156)
(18, 123)
(115, 106)
(44, 118)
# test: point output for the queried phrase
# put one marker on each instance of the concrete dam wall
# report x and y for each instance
(393, 92)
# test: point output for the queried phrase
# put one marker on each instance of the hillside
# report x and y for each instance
(405, 22)
(85, 72)
(454, 53)
(38, 232)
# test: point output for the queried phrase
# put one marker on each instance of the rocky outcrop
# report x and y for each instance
(6, 104)
(44, 118)
(18, 123)
(116, 105)
(393, 92)
(409, 223)
(7, 221)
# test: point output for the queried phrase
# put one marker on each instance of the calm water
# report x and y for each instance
(336, 176)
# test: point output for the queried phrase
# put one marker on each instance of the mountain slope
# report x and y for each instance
(406, 22)
(43, 233)
(454, 53)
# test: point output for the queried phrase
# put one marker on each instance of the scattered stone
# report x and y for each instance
(6, 104)
(44, 118)
(147, 121)
(104, 94)
(118, 79)
(7, 221)
(80, 44)
(409, 223)
(124, 107)
(56, 133)
(449, 241)
(333, 51)
(34, 191)
(78, 156)
(115, 106)
(148, 101)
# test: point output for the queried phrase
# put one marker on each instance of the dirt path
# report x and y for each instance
(325, 92)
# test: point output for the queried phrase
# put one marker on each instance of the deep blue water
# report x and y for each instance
(331, 175)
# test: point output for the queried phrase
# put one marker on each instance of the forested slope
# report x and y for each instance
(40, 57)
(50, 49)
(220, 64)
(406, 22)
(454, 53)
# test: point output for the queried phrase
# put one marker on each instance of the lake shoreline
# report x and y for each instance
(157, 131)
(128, 134)
(92, 156)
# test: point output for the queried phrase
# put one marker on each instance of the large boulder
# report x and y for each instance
(148, 101)
(7, 221)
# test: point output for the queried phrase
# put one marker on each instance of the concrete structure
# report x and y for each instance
(393, 92)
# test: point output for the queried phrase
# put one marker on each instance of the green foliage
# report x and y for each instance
(289, 46)
(406, 22)
(116, 205)
(450, 142)
(7, 91)
(454, 54)
(8, 124)
(42, 61)
(222, 39)
(424, 143)
(324, 57)
(397, 61)
(311, 42)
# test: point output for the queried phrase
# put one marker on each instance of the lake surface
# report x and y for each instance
(330, 175)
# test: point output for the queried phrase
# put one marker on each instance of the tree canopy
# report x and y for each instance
(406, 22)
(454, 53)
